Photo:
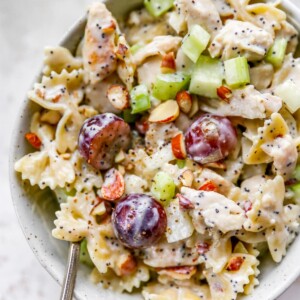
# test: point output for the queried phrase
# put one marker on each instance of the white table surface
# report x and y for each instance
(26, 26)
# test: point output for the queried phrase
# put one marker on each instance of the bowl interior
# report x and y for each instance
(36, 209)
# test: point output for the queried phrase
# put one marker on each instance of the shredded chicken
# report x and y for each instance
(149, 70)
(159, 134)
(99, 57)
(96, 95)
(238, 38)
(159, 46)
(247, 103)
(289, 32)
(141, 27)
(224, 8)
(201, 12)
(262, 76)
(284, 153)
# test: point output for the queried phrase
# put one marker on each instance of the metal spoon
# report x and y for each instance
(71, 272)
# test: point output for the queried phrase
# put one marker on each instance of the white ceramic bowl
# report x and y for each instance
(36, 208)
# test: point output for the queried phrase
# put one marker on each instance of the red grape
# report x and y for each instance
(210, 138)
(101, 138)
(139, 221)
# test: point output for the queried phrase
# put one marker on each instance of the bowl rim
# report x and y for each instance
(288, 6)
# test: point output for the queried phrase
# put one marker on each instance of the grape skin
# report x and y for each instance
(139, 221)
(210, 138)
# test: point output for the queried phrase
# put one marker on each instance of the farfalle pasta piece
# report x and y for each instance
(155, 291)
(273, 128)
(238, 38)
(135, 184)
(98, 52)
(45, 167)
(126, 283)
(58, 59)
(174, 254)
(86, 177)
(215, 210)
(247, 103)
(83, 216)
(263, 15)
(229, 283)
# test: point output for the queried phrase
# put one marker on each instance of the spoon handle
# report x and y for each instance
(71, 272)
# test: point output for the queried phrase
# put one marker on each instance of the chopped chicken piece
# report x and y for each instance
(238, 38)
(247, 103)
(262, 76)
(201, 12)
(99, 57)
(159, 46)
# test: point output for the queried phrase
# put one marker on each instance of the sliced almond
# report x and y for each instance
(208, 186)
(178, 273)
(122, 51)
(168, 63)
(184, 202)
(166, 112)
(215, 165)
(127, 265)
(224, 93)
(114, 186)
(118, 96)
(195, 107)
(178, 146)
(184, 100)
(187, 178)
(51, 117)
(33, 140)
(121, 169)
(120, 156)
(235, 263)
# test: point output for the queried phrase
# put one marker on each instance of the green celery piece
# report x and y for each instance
(207, 76)
(163, 188)
(180, 163)
(158, 7)
(296, 189)
(296, 173)
(128, 116)
(167, 86)
(139, 99)
(84, 254)
(135, 48)
(195, 42)
(237, 72)
(276, 53)
(289, 92)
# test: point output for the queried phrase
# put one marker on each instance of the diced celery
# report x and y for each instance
(195, 42)
(237, 72)
(128, 116)
(296, 173)
(276, 53)
(135, 48)
(180, 163)
(180, 225)
(139, 99)
(84, 254)
(207, 76)
(167, 86)
(289, 92)
(158, 7)
(163, 188)
(296, 189)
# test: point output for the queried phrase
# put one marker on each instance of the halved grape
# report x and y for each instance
(210, 138)
(101, 138)
(139, 221)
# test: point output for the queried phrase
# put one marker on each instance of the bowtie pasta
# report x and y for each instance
(171, 142)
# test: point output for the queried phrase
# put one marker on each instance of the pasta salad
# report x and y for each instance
(171, 142)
